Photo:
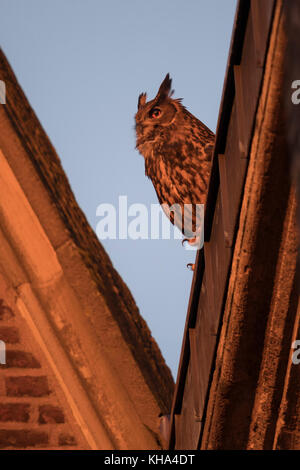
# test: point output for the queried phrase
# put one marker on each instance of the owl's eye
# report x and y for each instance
(155, 113)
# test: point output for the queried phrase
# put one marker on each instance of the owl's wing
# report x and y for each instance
(163, 196)
(187, 217)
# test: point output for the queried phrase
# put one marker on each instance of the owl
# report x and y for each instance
(177, 149)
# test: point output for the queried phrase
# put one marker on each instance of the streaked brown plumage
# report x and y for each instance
(177, 149)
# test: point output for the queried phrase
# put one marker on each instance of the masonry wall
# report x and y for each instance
(83, 361)
(33, 412)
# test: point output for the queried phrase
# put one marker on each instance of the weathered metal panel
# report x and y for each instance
(234, 133)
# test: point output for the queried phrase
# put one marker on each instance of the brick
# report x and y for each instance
(66, 439)
(6, 312)
(18, 412)
(22, 438)
(9, 334)
(21, 359)
(50, 414)
(27, 386)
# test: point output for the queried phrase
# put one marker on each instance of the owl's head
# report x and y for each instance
(155, 116)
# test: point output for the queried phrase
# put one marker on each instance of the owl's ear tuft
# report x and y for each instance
(165, 89)
(142, 100)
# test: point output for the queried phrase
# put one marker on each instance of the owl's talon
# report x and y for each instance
(191, 266)
(184, 241)
(190, 241)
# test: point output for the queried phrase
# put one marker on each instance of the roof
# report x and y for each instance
(235, 366)
(87, 309)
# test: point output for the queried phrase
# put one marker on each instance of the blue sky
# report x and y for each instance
(82, 65)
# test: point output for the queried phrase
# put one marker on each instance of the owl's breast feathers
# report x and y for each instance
(179, 168)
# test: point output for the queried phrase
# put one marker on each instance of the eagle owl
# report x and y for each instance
(177, 149)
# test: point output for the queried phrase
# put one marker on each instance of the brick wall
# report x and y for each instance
(32, 412)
